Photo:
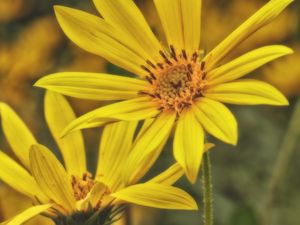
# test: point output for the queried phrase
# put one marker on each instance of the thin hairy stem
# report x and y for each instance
(207, 190)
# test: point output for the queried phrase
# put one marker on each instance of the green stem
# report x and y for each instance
(207, 190)
(286, 151)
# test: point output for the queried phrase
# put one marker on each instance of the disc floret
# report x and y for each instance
(176, 81)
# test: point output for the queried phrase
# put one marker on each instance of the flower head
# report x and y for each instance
(177, 83)
(71, 193)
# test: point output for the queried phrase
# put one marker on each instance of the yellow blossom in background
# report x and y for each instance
(176, 84)
(11, 10)
(25, 59)
(285, 74)
(71, 193)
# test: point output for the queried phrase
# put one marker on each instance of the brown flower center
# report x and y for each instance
(82, 185)
(177, 81)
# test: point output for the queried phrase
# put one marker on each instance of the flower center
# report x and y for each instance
(82, 185)
(177, 81)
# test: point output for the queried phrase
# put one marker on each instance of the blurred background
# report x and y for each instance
(255, 183)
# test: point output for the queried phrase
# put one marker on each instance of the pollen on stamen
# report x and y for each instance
(82, 185)
(176, 81)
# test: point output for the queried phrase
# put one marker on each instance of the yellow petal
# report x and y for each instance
(99, 37)
(146, 163)
(115, 146)
(97, 193)
(71, 146)
(29, 214)
(18, 178)
(261, 18)
(169, 176)
(217, 120)
(17, 133)
(188, 144)
(149, 144)
(51, 177)
(96, 86)
(126, 16)
(157, 196)
(191, 22)
(135, 109)
(181, 20)
(247, 92)
(247, 63)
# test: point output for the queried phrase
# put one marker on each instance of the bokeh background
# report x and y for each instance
(255, 183)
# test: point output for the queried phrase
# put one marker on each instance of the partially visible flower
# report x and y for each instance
(177, 84)
(285, 74)
(72, 194)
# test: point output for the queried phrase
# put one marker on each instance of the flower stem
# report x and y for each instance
(207, 190)
(282, 164)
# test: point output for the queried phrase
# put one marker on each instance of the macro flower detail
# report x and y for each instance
(70, 195)
(177, 85)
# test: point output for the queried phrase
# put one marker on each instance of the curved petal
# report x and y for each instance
(181, 20)
(246, 63)
(246, 92)
(261, 18)
(169, 176)
(217, 120)
(72, 146)
(17, 134)
(148, 144)
(18, 178)
(115, 146)
(126, 16)
(92, 86)
(188, 144)
(28, 214)
(134, 109)
(157, 196)
(52, 177)
(99, 37)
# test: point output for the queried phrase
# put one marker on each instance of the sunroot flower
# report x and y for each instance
(176, 84)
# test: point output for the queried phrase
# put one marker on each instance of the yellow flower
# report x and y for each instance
(71, 193)
(177, 84)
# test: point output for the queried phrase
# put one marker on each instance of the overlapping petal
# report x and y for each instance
(169, 176)
(247, 92)
(246, 63)
(95, 86)
(28, 214)
(261, 18)
(135, 109)
(99, 37)
(181, 20)
(17, 133)
(157, 196)
(125, 15)
(115, 146)
(52, 177)
(148, 145)
(188, 145)
(18, 178)
(59, 114)
(217, 120)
